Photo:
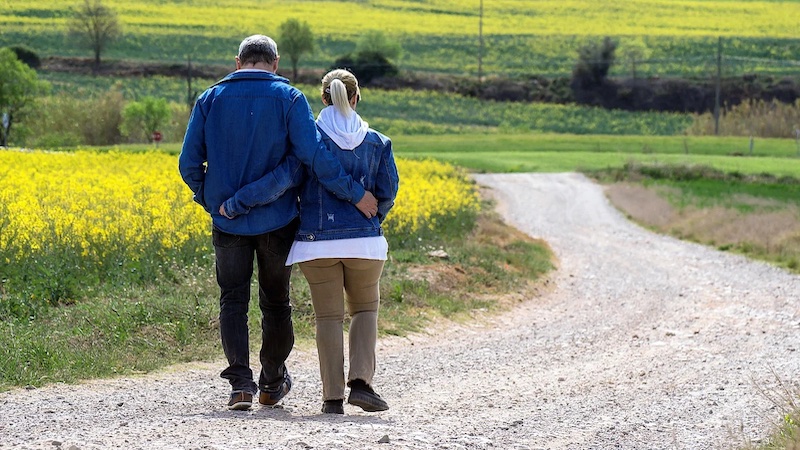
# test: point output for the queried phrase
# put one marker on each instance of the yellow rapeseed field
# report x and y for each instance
(123, 205)
(440, 17)
(98, 204)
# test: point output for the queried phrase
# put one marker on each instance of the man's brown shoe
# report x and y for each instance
(271, 397)
(240, 401)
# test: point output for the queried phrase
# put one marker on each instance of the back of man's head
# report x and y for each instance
(258, 49)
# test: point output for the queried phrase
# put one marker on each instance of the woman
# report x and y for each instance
(341, 252)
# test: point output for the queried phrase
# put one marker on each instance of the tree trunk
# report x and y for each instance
(7, 130)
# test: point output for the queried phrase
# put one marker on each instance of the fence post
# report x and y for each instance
(719, 87)
(480, 48)
(797, 139)
(190, 93)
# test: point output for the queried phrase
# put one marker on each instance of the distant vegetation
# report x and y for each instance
(442, 35)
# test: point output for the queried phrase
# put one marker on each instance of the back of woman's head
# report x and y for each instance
(338, 88)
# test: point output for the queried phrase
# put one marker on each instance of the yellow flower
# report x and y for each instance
(110, 207)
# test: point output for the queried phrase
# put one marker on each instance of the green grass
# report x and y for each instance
(559, 153)
(531, 152)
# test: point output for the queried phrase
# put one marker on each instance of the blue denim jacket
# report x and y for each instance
(244, 127)
(322, 214)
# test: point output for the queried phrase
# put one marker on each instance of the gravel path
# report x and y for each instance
(646, 342)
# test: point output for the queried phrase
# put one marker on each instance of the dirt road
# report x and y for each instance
(645, 342)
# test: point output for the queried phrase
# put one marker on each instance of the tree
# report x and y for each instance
(19, 87)
(296, 39)
(594, 62)
(634, 51)
(94, 26)
(376, 42)
(145, 116)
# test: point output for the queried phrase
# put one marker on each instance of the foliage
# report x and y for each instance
(376, 41)
(27, 55)
(754, 118)
(76, 117)
(296, 38)
(19, 87)
(95, 26)
(411, 112)
(434, 197)
(140, 119)
(82, 219)
(594, 62)
(633, 52)
(366, 66)
(86, 120)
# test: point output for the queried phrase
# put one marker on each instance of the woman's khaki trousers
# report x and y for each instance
(336, 283)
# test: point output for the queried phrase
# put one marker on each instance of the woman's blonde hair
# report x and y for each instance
(338, 87)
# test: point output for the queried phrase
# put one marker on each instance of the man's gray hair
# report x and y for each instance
(258, 48)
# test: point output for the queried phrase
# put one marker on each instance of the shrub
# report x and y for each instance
(67, 121)
(594, 62)
(375, 41)
(141, 119)
(27, 55)
(366, 66)
(754, 118)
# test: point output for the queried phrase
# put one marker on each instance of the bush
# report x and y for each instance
(753, 118)
(594, 62)
(366, 66)
(143, 118)
(66, 121)
(27, 55)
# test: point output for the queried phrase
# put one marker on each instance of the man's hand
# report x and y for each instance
(224, 214)
(368, 205)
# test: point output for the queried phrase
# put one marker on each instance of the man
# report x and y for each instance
(241, 128)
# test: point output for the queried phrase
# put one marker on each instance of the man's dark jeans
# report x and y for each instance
(234, 261)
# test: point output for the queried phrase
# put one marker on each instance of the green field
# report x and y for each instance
(417, 112)
(520, 37)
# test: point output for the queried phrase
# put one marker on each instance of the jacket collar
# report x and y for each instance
(252, 75)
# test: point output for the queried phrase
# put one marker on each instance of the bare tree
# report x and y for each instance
(94, 26)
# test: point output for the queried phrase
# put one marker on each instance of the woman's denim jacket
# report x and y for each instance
(323, 215)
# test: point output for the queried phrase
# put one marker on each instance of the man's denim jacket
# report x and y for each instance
(244, 127)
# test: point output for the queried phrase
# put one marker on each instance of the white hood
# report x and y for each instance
(347, 132)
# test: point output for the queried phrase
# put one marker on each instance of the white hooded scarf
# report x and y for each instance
(347, 132)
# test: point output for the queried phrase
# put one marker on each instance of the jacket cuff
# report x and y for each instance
(358, 193)
(231, 208)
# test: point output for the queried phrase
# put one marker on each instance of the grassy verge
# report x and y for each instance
(124, 330)
(757, 215)
(560, 153)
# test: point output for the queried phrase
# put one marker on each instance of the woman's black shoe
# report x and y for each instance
(333, 407)
(363, 396)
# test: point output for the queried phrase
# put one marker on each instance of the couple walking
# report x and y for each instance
(286, 189)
